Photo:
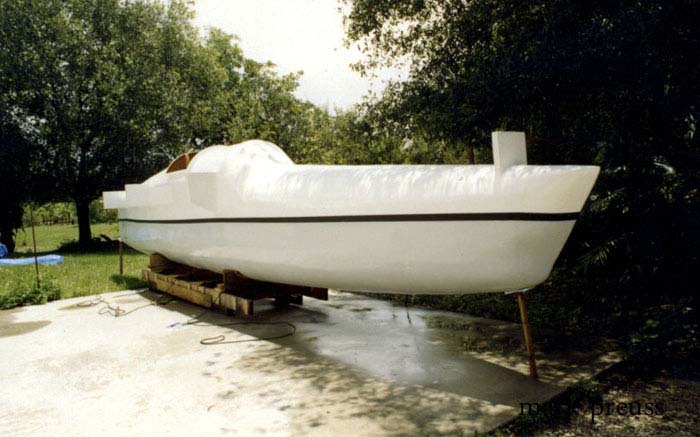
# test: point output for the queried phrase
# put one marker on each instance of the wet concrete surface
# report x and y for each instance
(354, 365)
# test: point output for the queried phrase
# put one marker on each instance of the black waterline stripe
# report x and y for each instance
(479, 216)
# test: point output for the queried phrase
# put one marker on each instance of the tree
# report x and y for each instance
(15, 153)
(256, 102)
(20, 129)
(118, 88)
(609, 83)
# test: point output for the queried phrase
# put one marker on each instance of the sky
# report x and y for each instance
(297, 35)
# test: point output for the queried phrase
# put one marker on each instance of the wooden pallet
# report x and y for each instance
(230, 291)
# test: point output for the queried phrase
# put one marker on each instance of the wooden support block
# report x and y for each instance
(158, 263)
(236, 283)
(240, 285)
(227, 301)
(281, 301)
(230, 291)
(214, 293)
(171, 285)
(285, 299)
(316, 293)
(149, 277)
(183, 292)
(296, 299)
(244, 305)
(200, 275)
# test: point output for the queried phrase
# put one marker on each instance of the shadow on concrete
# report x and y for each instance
(375, 339)
(9, 327)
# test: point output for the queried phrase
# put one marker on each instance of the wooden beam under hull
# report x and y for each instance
(230, 291)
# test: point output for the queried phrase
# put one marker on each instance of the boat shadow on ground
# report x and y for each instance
(344, 395)
(354, 389)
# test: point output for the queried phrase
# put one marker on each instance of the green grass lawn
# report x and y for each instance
(80, 274)
(49, 238)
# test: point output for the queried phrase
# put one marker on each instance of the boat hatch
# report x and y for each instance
(181, 162)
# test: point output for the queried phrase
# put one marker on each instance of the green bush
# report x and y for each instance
(52, 213)
(24, 295)
(100, 215)
(669, 331)
(51, 291)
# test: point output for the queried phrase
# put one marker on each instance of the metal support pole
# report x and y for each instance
(121, 257)
(36, 259)
(529, 344)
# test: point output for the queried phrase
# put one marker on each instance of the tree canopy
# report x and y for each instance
(101, 93)
(607, 83)
(113, 86)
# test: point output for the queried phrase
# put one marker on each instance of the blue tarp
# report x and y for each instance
(44, 259)
(3, 250)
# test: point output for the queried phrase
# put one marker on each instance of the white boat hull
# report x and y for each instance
(426, 229)
(428, 257)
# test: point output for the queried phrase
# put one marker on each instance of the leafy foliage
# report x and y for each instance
(23, 295)
(606, 83)
(668, 331)
(105, 88)
(97, 94)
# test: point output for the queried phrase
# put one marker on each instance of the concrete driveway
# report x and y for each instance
(354, 366)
